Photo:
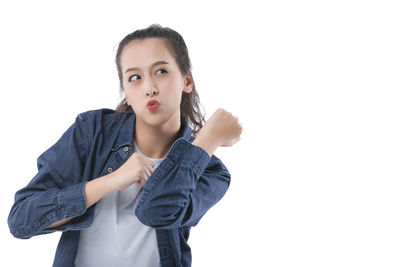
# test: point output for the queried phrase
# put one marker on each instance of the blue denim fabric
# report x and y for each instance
(179, 192)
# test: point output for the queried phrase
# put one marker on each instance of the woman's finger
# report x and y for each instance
(147, 170)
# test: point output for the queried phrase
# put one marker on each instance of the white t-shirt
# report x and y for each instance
(117, 237)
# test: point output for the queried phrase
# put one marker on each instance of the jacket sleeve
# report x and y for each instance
(56, 192)
(182, 188)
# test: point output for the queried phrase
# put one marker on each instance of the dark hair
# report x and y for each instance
(176, 46)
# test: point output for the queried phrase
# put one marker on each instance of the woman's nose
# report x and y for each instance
(151, 92)
(150, 88)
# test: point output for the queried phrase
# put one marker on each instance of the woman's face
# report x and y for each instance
(144, 81)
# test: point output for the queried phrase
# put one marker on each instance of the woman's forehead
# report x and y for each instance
(145, 52)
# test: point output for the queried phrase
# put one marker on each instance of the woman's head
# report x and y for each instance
(171, 83)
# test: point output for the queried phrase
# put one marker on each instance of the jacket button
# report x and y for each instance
(109, 169)
(126, 148)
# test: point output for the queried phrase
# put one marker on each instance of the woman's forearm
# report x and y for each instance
(205, 143)
(98, 188)
(94, 191)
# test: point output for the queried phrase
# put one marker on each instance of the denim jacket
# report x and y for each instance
(177, 194)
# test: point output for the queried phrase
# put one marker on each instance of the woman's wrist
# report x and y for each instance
(94, 191)
(98, 188)
(206, 143)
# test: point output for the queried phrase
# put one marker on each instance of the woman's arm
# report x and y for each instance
(208, 145)
(183, 187)
(94, 191)
(190, 180)
(56, 192)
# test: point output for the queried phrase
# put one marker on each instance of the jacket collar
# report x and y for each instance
(125, 136)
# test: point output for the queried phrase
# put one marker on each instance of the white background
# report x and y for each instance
(315, 176)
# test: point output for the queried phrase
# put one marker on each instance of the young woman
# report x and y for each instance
(125, 186)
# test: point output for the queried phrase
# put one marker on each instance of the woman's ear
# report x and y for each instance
(125, 98)
(187, 89)
(188, 83)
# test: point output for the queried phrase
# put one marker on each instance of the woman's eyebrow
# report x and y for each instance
(154, 64)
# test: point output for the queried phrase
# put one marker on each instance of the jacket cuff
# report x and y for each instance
(72, 200)
(184, 151)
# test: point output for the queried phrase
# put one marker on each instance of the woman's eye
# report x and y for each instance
(130, 78)
(163, 70)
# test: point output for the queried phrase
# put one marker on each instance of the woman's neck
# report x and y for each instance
(155, 142)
